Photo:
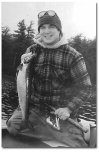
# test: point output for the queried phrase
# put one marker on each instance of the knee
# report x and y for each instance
(12, 128)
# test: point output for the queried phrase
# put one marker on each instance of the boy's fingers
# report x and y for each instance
(52, 112)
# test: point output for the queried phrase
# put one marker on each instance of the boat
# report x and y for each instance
(21, 141)
(28, 139)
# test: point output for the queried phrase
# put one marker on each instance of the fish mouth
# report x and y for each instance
(54, 123)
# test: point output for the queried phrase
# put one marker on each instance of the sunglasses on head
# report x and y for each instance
(50, 13)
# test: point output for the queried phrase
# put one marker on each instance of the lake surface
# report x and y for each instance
(10, 101)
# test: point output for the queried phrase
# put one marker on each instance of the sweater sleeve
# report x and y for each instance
(81, 83)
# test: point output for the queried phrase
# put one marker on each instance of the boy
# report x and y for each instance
(60, 85)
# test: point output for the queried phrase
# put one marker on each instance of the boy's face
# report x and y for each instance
(49, 34)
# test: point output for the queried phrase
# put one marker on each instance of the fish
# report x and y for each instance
(23, 89)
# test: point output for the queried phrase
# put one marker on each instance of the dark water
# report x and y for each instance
(10, 101)
(9, 97)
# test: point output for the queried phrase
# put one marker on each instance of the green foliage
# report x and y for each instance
(14, 45)
(23, 39)
(21, 30)
(7, 49)
(88, 49)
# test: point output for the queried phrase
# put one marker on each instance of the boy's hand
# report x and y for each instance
(26, 58)
(63, 113)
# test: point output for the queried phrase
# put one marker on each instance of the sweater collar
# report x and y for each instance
(58, 44)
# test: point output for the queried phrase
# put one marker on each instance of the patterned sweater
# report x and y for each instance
(60, 77)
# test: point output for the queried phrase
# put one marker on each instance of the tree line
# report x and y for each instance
(14, 45)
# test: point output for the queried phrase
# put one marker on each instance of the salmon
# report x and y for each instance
(23, 89)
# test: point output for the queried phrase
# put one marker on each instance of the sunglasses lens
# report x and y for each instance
(41, 14)
(51, 13)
